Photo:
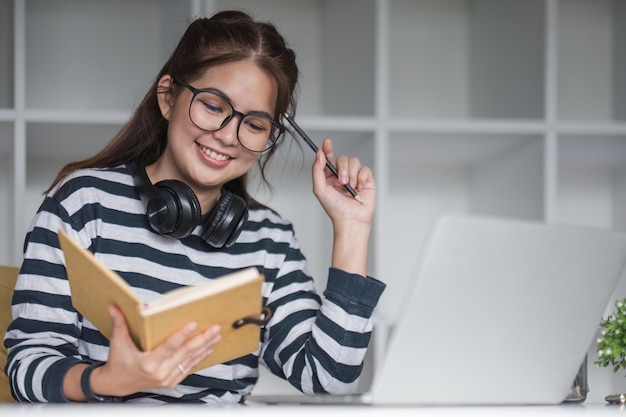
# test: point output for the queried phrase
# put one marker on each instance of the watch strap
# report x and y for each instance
(85, 386)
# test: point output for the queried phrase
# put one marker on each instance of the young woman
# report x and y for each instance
(165, 204)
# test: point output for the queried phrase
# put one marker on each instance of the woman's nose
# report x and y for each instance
(228, 132)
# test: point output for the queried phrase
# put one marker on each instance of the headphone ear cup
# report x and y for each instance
(162, 211)
(226, 220)
(174, 210)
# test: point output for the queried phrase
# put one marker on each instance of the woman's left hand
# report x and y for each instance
(338, 203)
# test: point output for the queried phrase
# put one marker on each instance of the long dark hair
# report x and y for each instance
(227, 36)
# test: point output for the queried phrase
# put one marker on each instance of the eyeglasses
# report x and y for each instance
(210, 110)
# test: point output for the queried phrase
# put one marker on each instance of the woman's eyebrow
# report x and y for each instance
(217, 92)
(260, 113)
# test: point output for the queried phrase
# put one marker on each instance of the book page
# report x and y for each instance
(185, 295)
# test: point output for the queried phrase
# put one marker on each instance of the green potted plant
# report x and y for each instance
(612, 345)
(612, 342)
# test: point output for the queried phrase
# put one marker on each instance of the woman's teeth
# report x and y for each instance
(213, 155)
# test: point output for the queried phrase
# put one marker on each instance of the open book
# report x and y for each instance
(233, 301)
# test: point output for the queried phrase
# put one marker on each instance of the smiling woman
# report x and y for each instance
(165, 204)
(218, 137)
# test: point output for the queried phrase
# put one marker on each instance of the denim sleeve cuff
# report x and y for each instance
(356, 293)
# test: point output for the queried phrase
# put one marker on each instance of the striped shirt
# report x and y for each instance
(315, 342)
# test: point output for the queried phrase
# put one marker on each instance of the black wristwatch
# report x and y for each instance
(85, 386)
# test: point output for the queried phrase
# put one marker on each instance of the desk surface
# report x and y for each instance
(95, 410)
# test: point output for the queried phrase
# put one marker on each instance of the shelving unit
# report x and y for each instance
(482, 106)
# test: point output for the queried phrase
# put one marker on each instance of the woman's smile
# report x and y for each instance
(212, 154)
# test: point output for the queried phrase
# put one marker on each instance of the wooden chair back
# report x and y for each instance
(8, 276)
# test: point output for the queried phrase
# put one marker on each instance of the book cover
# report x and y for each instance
(233, 301)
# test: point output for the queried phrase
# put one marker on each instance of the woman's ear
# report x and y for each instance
(165, 96)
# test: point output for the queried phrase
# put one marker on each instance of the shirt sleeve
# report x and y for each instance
(319, 344)
(42, 339)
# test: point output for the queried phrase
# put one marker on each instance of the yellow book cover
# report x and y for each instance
(233, 301)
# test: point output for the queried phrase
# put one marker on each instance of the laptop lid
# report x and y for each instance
(501, 312)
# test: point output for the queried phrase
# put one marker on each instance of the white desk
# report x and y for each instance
(259, 410)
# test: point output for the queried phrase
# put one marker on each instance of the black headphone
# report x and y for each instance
(173, 210)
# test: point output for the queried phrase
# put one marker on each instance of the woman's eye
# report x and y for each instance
(255, 127)
(212, 107)
(212, 103)
(257, 124)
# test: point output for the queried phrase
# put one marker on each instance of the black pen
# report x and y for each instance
(313, 146)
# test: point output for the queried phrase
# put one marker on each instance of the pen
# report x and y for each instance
(313, 146)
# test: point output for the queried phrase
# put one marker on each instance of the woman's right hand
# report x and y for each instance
(130, 370)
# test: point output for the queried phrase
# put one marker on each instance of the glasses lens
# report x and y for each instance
(209, 111)
(258, 133)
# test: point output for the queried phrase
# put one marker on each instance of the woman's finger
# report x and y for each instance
(195, 350)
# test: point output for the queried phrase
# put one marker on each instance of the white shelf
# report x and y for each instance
(461, 126)
(506, 107)
(591, 128)
(82, 116)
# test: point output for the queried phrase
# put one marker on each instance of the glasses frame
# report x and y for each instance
(226, 121)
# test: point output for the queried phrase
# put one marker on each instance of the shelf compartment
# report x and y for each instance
(592, 181)
(6, 141)
(97, 55)
(431, 173)
(465, 59)
(6, 189)
(592, 85)
(336, 61)
(6, 54)
(49, 147)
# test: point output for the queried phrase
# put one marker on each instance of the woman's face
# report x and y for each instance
(207, 160)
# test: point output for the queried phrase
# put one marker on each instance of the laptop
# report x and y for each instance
(501, 312)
